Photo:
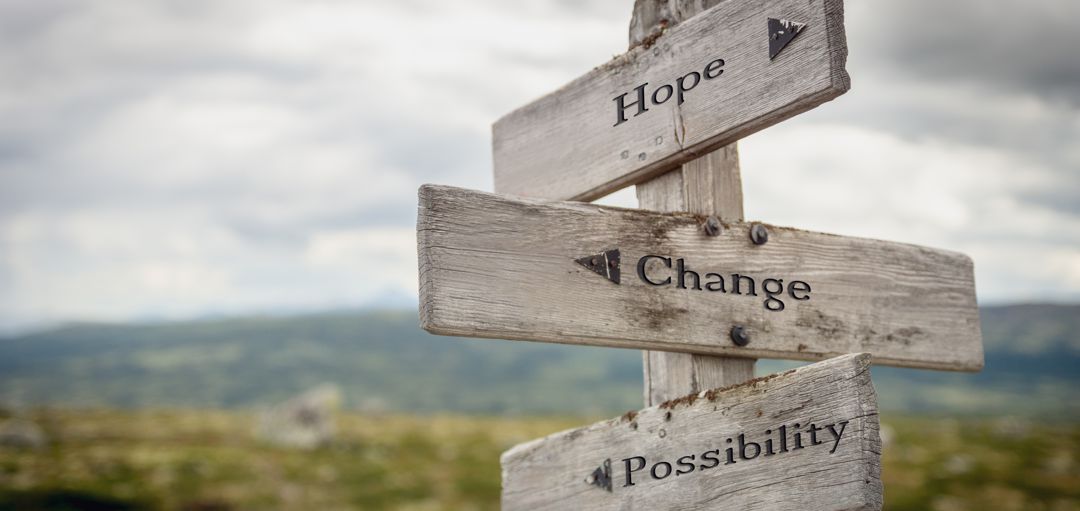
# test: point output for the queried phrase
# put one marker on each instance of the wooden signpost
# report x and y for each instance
(805, 439)
(690, 279)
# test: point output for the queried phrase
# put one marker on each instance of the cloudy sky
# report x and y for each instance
(181, 158)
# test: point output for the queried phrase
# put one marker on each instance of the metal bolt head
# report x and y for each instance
(759, 234)
(740, 336)
(713, 227)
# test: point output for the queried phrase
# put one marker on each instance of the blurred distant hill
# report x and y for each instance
(382, 360)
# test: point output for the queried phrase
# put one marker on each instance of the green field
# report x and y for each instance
(211, 460)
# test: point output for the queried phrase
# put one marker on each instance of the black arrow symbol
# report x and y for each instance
(601, 476)
(781, 32)
(605, 263)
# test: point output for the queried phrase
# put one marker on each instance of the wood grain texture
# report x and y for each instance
(502, 267)
(552, 472)
(710, 185)
(565, 145)
(652, 17)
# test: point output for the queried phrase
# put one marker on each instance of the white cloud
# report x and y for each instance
(854, 181)
(164, 159)
(181, 264)
(371, 261)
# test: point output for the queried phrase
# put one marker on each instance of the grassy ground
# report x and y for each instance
(211, 460)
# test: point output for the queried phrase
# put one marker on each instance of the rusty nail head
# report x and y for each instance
(759, 234)
(740, 336)
(713, 227)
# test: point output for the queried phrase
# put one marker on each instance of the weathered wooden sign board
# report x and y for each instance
(691, 286)
(804, 439)
(732, 70)
(503, 267)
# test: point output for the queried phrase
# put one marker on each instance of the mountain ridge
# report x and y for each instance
(382, 360)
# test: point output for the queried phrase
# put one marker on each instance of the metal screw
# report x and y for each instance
(740, 336)
(713, 227)
(759, 234)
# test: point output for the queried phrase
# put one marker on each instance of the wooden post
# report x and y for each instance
(709, 185)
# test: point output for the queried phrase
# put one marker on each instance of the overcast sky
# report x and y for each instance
(170, 159)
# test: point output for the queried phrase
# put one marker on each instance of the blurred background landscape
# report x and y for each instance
(383, 362)
(174, 415)
(208, 256)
